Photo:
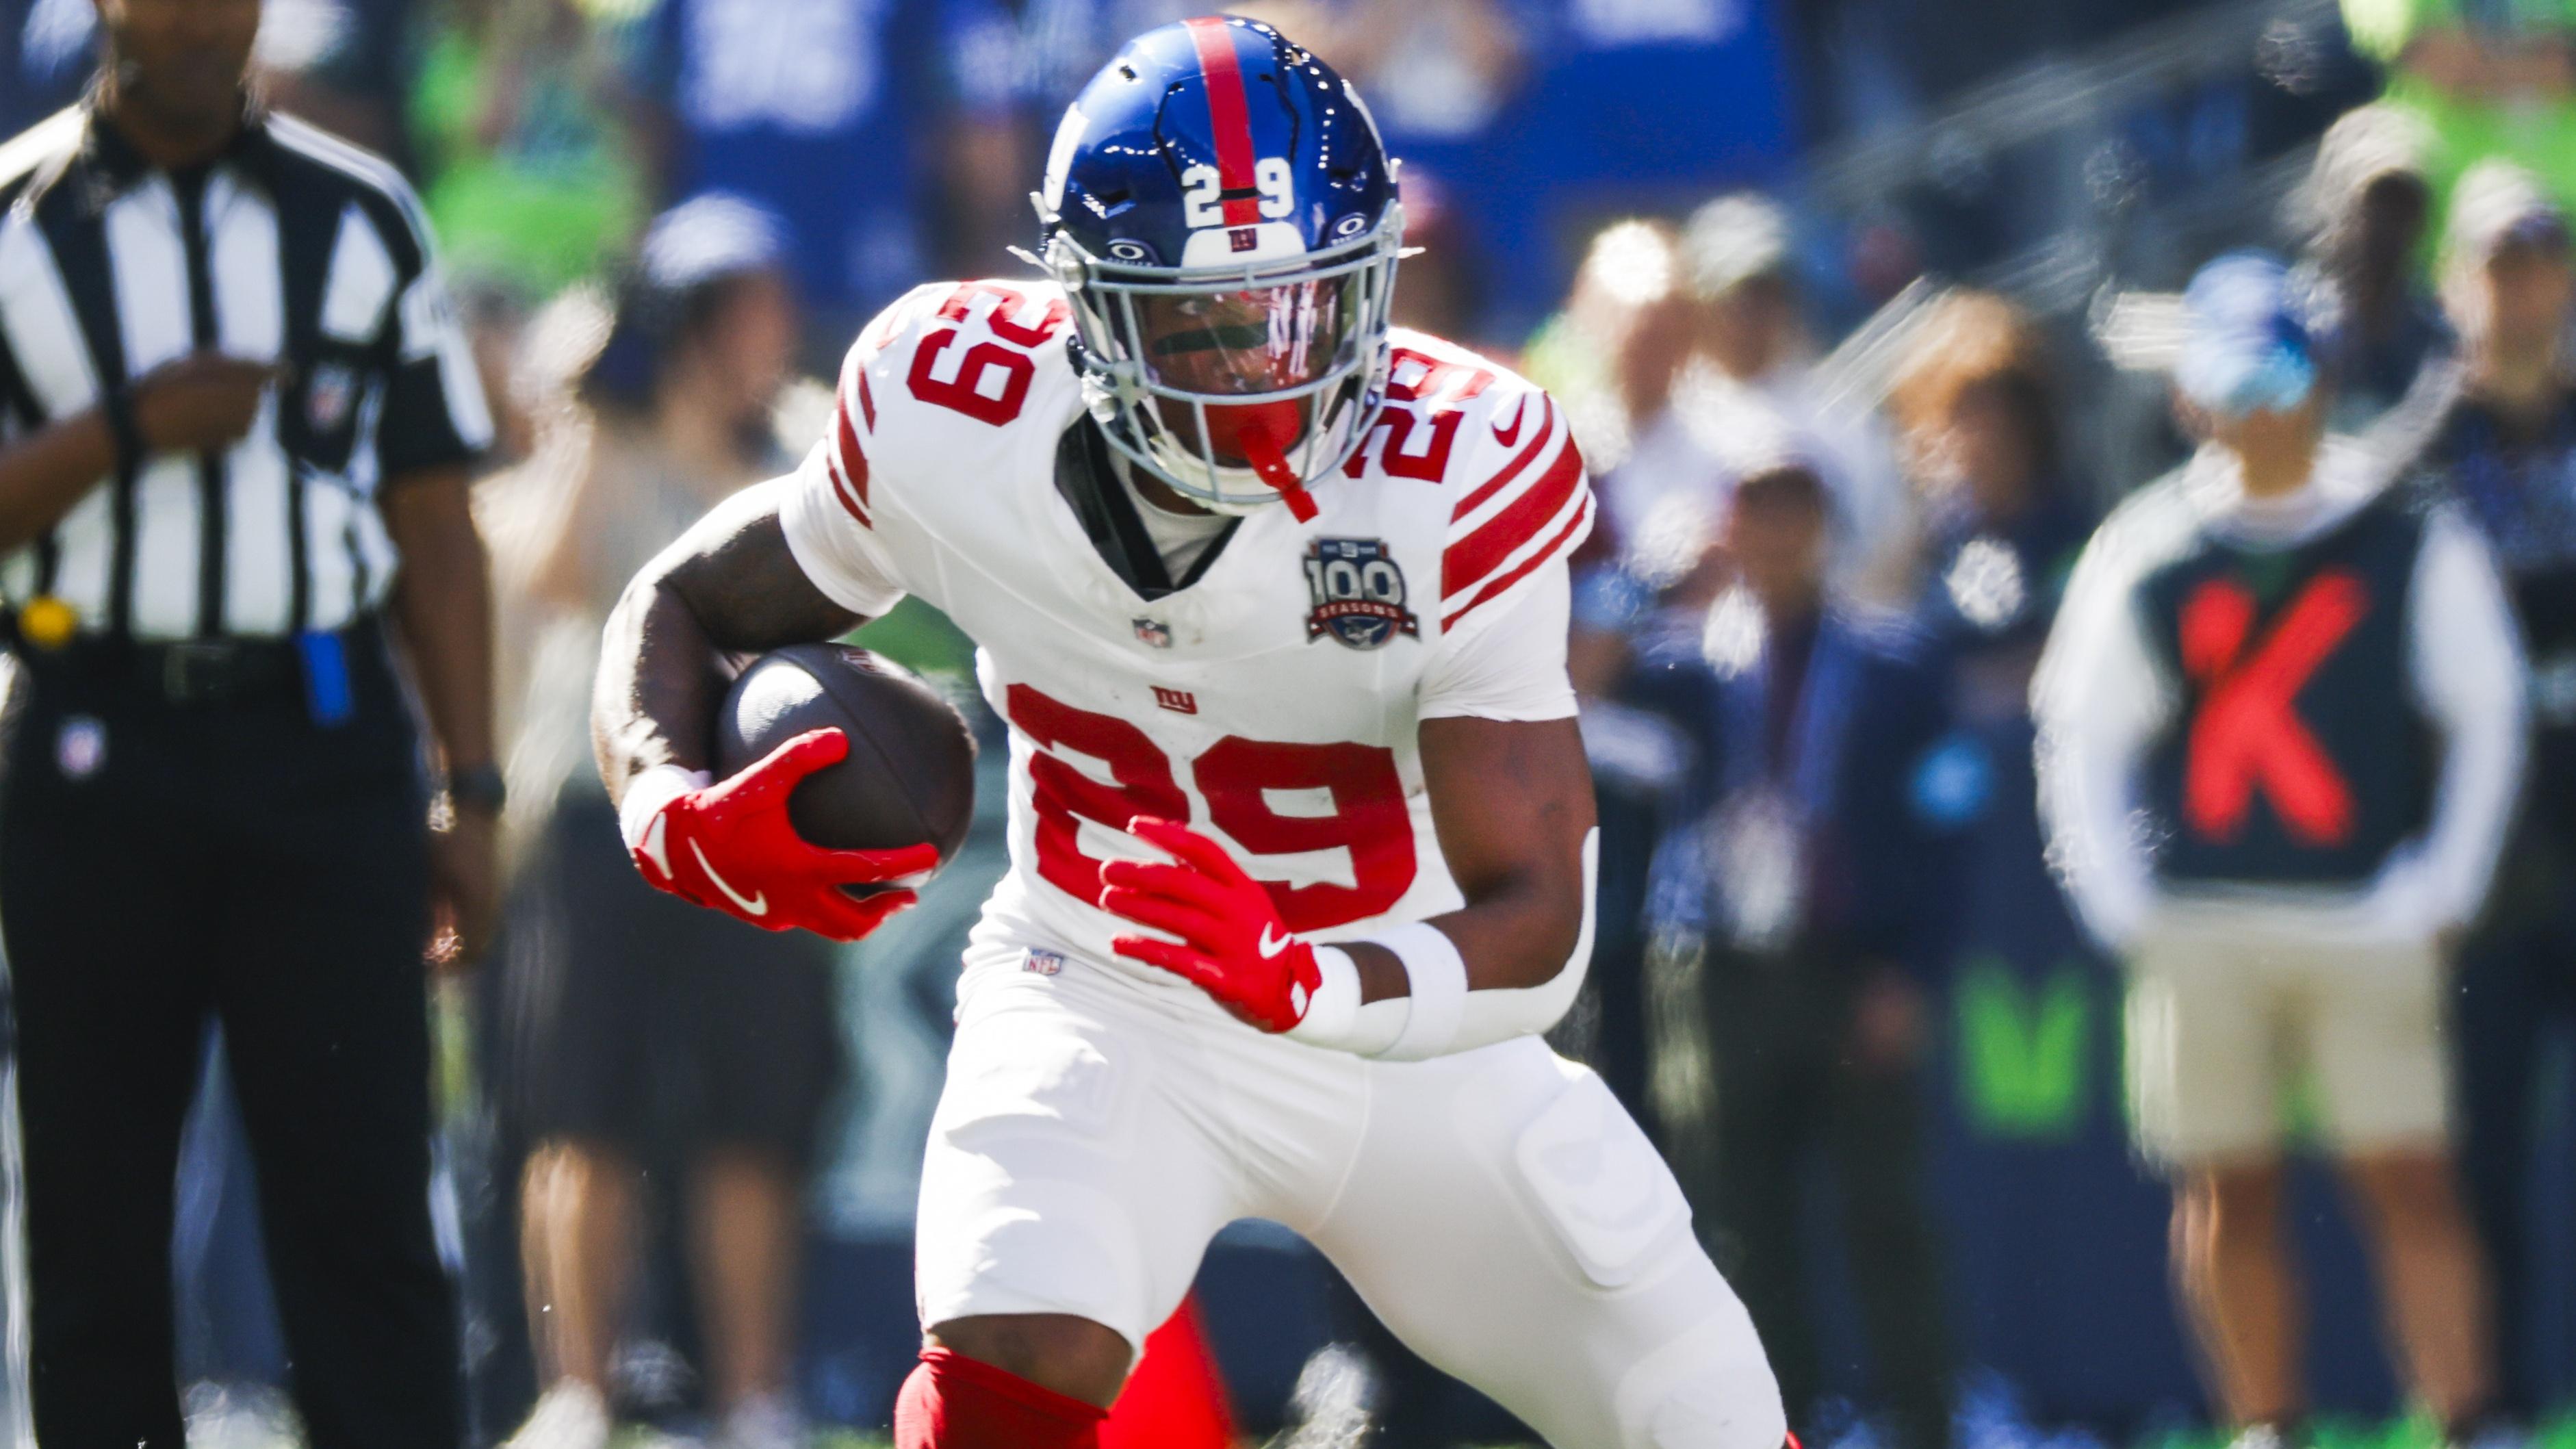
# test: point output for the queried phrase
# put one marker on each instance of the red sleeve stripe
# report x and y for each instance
(1582, 511)
(1519, 462)
(867, 401)
(1516, 523)
(849, 468)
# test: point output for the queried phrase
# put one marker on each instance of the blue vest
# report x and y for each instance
(2297, 755)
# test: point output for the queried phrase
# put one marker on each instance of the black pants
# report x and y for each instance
(2516, 988)
(1789, 1094)
(159, 862)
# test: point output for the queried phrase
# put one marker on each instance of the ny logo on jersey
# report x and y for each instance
(1358, 593)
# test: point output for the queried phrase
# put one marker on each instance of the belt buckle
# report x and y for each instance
(197, 670)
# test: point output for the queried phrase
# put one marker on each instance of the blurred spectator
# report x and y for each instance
(1802, 867)
(1656, 449)
(1581, 354)
(48, 51)
(1436, 72)
(1977, 414)
(819, 110)
(1608, 356)
(1978, 418)
(2488, 79)
(646, 1039)
(2507, 453)
(2363, 211)
(1755, 359)
(340, 64)
(1443, 284)
(2281, 728)
(526, 145)
(1013, 67)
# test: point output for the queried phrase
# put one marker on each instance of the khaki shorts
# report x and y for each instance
(2226, 1029)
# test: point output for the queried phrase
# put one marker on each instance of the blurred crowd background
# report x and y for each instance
(1922, 248)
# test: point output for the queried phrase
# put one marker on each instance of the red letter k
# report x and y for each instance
(2248, 734)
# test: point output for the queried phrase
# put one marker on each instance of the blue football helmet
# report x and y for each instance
(1223, 218)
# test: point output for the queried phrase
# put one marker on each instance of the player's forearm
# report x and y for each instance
(729, 585)
(1508, 962)
(656, 688)
(1516, 935)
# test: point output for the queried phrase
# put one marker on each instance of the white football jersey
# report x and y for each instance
(1272, 703)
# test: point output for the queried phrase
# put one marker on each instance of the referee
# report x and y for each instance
(235, 420)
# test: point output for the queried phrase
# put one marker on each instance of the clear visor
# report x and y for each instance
(1234, 344)
(1186, 366)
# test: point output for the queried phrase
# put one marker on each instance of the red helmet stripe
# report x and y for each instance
(1228, 116)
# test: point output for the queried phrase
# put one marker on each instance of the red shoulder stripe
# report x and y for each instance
(1520, 461)
(1483, 551)
(1582, 510)
(849, 468)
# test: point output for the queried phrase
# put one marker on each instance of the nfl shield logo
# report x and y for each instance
(80, 747)
(1358, 593)
(1041, 962)
(1154, 632)
(327, 397)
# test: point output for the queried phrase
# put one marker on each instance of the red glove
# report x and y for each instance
(1232, 942)
(728, 846)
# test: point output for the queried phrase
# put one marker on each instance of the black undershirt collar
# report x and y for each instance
(1088, 480)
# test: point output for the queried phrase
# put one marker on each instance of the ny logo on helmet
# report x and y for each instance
(1358, 593)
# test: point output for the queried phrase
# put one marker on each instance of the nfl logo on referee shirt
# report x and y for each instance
(1358, 593)
(327, 397)
(80, 746)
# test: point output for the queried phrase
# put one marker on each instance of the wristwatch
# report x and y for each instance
(479, 788)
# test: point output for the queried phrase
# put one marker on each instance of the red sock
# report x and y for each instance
(1175, 1398)
(955, 1402)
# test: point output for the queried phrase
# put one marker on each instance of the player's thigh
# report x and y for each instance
(2203, 1071)
(2377, 1041)
(1060, 1177)
(1511, 1223)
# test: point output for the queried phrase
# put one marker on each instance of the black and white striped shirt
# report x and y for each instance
(291, 245)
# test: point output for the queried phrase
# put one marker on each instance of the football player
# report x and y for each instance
(1274, 599)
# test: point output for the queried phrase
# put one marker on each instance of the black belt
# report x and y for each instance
(189, 672)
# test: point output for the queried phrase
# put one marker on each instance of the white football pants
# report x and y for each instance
(1498, 1208)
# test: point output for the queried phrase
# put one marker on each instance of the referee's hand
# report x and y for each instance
(200, 402)
(464, 888)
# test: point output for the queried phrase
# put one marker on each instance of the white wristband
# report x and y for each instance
(1437, 975)
(1336, 1004)
(648, 793)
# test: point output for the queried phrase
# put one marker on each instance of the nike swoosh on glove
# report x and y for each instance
(1232, 942)
(730, 847)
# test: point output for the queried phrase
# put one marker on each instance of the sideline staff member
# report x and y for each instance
(232, 400)
(2280, 735)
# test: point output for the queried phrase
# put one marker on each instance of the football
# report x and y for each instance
(910, 774)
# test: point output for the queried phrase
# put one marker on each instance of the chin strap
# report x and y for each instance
(1263, 453)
